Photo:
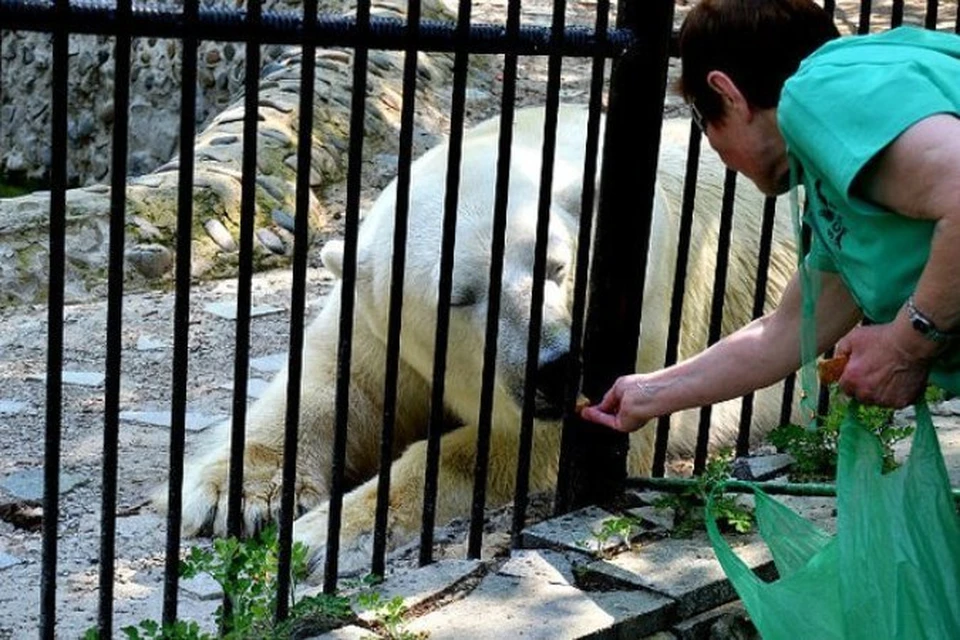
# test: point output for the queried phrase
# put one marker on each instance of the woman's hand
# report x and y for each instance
(625, 407)
(883, 369)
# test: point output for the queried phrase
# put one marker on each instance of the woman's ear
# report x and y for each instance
(730, 95)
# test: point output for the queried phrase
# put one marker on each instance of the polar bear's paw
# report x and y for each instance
(206, 493)
(356, 546)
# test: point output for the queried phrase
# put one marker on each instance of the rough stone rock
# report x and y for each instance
(152, 199)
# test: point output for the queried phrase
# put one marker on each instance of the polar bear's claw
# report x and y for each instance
(206, 495)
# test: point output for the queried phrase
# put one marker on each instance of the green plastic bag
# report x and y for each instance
(891, 571)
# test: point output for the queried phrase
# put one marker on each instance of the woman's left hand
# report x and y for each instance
(882, 370)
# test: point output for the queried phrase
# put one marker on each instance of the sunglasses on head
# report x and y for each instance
(697, 117)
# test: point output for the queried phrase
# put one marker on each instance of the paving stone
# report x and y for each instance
(761, 468)
(255, 387)
(146, 343)
(27, 484)
(530, 608)
(345, 633)
(575, 530)
(269, 364)
(6, 560)
(78, 378)
(703, 625)
(655, 518)
(194, 421)
(550, 566)
(685, 569)
(423, 584)
(202, 587)
(228, 310)
(9, 407)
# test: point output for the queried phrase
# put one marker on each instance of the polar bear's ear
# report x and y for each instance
(332, 257)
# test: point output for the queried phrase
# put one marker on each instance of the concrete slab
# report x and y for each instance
(227, 309)
(7, 560)
(761, 468)
(345, 633)
(710, 624)
(269, 364)
(552, 567)
(194, 421)
(77, 378)
(576, 530)
(685, 569)
(202, 587)
(255, 387)
(27, 484)
(530, 608)
(419, 586)
(146, 343)
(12, 407)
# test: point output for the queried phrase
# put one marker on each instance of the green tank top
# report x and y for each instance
(847, 102)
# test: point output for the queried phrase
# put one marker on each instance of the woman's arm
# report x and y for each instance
(758, 355)
(917, 176)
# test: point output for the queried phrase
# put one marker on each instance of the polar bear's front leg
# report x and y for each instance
(454, 496)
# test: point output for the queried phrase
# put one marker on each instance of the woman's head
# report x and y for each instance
(757, 43)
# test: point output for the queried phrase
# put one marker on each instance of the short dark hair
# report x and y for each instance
(758, 43)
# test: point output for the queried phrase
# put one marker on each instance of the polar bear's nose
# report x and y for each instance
(551, 379)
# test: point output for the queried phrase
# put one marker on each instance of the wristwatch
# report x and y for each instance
(925, 326)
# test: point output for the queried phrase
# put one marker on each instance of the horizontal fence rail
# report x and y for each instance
(328, 31)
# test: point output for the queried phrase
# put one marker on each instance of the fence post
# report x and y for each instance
(593, 459)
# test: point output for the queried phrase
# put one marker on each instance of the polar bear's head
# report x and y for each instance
(472, 256)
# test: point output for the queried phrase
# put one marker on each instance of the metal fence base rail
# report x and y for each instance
(804, 489)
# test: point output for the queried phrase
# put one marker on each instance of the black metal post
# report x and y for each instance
(631, 146)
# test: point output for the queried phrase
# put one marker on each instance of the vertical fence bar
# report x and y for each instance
(397, 272)
(864, 24)
(585, 227)
(301, 247)
(554, 67)
(450, 204)
(759, 300)
(830, 6)
(54, 399)
(241, 360)
(111, 418)
(786, 406)
(679, 285)
(181, 312)
(236, 526)
(896, 14)
(348, 295)
(933, 6)
(488, 375)
(631, 144)
(716, 311)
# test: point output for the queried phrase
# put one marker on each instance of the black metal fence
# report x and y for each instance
(602, 342)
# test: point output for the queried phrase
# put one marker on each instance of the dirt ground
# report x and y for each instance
(146, 386)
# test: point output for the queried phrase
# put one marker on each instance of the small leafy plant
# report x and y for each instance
(688, 505)
(815, 451)
(247, 572)
(389, 615)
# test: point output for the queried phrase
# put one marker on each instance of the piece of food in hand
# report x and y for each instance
(830, 370)
(582, 403)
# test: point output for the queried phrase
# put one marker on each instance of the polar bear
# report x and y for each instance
(206, 476)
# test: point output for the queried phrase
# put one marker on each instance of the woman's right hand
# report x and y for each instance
(625, 407)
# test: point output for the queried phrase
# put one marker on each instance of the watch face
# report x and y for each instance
(920, 325)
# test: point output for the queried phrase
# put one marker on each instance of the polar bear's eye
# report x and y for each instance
(556, 271)
(464, 297)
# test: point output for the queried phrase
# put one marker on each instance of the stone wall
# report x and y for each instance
(26, 69)
(151, 197)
